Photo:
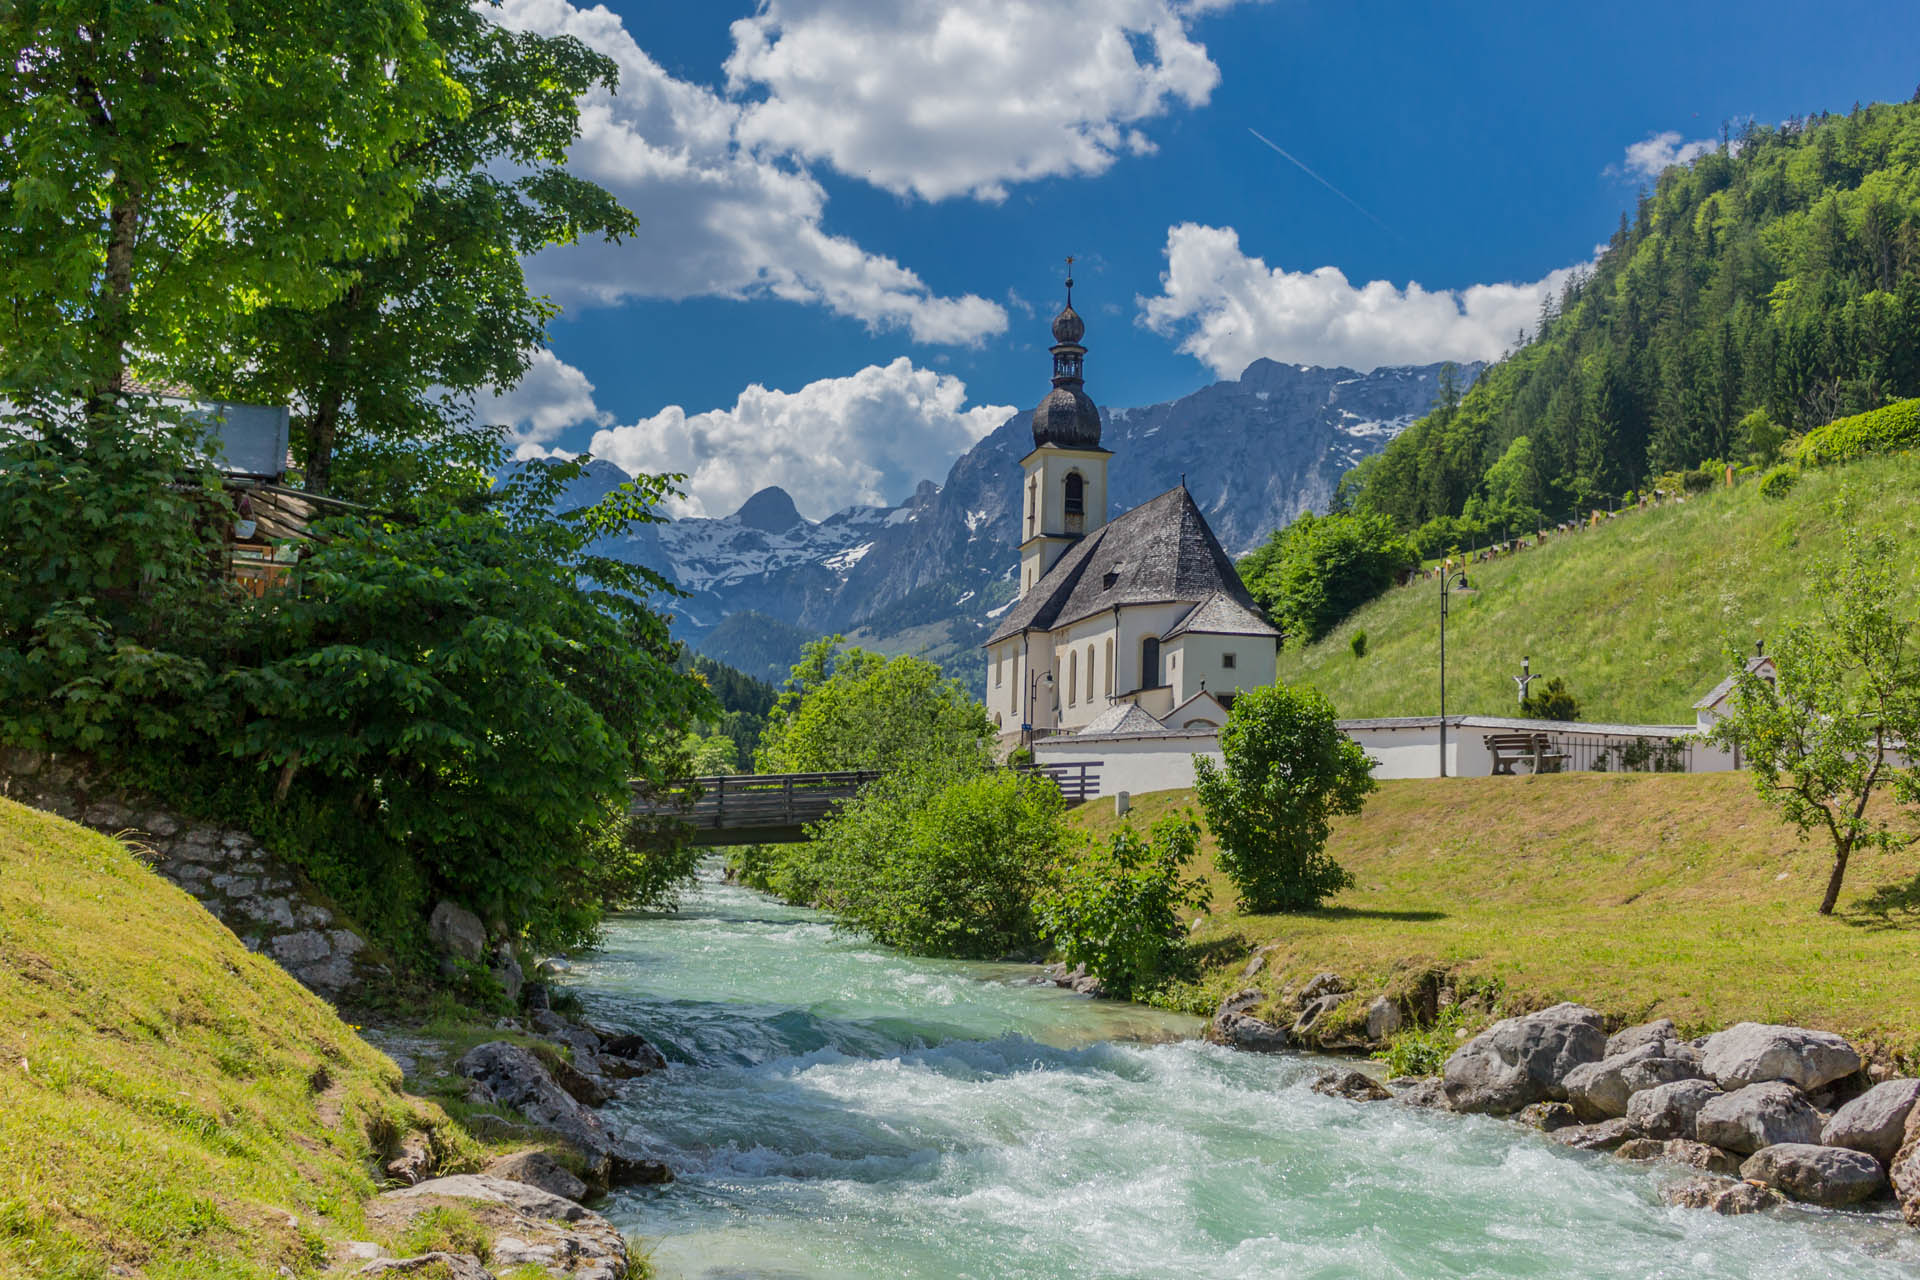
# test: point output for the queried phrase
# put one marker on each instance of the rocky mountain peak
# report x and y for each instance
(771, 510)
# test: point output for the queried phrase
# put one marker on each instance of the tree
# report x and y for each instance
(1319, 569)
(164, 167)
(1288, 771)
(382, 372)
(1552, 701)
(1116, 909)
(1831, 729)
(852, 709)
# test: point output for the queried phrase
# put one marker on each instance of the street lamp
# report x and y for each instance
(1449, 581)
(1035, 683)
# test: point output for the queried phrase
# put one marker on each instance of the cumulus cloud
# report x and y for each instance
(1228, 309)
(1654, 154)
(718, 218)
(867, 438)
(938, 98)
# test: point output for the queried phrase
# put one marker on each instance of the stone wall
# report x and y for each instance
(269, 906)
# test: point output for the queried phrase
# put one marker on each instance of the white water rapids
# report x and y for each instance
(836, 1109)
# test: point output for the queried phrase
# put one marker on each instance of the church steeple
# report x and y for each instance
(1067, 417)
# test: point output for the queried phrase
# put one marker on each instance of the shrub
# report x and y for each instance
(1779, 482)
(941, 860)
(1889, 429)
(1552, 701)
(1358, 644)
(1288, 771)
(1698, 480)
(1117, 909)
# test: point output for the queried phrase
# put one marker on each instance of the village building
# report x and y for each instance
(1139, 621)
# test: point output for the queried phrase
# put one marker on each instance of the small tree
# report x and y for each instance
(1117, 909)
(1553, 701)
(1835, 723)
(1289, 770)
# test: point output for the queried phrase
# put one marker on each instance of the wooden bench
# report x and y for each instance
(1534, 749)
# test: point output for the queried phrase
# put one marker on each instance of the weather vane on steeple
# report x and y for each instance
(1069, 279)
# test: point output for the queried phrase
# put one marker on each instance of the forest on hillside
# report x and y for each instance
(1769, 287)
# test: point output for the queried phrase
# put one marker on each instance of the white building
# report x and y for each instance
(1144, 611)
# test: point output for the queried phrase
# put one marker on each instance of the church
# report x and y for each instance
(1138, 624)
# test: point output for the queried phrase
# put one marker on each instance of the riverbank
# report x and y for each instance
(1643, 896)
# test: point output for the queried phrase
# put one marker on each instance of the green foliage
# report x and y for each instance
(1288, 771)
(1443, 535)
(1826, 735)
(938, 858)
(1779, 482)
(710, 755)
(852, 709)
(762, 647)
(745, 702)
(1116, 909)
(1884, 430)
(1358, 645)
(1552, 700)
(1319, 569)
(1780, 279)
(1423, 1051)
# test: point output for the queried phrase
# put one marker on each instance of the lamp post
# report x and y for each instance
(1449, 580)
(1035, 683)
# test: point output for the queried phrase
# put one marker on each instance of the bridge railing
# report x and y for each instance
(748, 801)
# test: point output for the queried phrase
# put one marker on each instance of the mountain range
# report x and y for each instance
(929, 575)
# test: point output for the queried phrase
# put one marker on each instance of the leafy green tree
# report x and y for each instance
(165, 167)
(1319, 569)
(710, 755)
(381, 372)
(1287, 771)
(1830, 731)
(852, 709)
(1551, 701)
(1116, 909)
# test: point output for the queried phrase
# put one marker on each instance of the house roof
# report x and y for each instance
(1221, 615)
(1122, 717)
(1160, 552)
(1718, 695)
(1215, 700)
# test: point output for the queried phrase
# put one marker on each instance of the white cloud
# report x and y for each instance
(1654, 154)
(552, 396)
(1229, 310)
(867, 438)
(939, 98)
(717, 219)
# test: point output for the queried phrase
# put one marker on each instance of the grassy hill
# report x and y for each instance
(170, 1103)
(1634, 614)
(1642, 895)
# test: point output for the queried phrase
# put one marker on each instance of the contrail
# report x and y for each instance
(1323, 182)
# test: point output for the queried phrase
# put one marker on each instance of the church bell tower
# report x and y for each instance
(1064, 487)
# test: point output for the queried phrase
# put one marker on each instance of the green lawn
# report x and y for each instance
(1634, 615)
(1642, 895)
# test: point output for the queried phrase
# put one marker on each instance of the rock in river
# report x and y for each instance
(1830, 1176)
(1757, 1116)
(1670, 1110)
(1876, 1121)
(1754, 1052)
(1521, 1061)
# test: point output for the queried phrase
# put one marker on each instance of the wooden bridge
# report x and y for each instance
(776, 808)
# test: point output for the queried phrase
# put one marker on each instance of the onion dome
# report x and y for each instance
(1067, 417)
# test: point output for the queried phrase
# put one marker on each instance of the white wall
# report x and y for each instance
(1201, 663)
(1136, 765)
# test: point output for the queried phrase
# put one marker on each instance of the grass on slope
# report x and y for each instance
(170, 1103)
(1634, 615)
(1643, 895)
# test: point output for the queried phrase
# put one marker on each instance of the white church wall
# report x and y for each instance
(1203, 664)
(1136, 623)
(1163, 762)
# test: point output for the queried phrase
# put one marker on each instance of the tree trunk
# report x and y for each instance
(322, 427)
(1833, 881)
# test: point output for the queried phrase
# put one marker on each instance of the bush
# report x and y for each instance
(1890, 429)
(1358, 644)
(1319, 569)
(1552, 701)
(1117, 910)
(1779, 482)
(940, 860)
(1288, 771)
(1444, 534)
(1698, 480)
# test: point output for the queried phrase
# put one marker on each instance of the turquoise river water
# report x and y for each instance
(836, 1109)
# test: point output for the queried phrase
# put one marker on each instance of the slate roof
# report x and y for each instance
(1160, 552)
(1122, 717)
(1221, 615)
(1763, 665)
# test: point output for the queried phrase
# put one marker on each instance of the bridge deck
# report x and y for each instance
(776, 808)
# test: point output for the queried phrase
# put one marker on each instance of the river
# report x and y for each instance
(836, 1109)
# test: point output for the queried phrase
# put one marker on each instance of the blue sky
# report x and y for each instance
(853, 212)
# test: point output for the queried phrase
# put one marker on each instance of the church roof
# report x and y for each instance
(1122, 717)
(1160, 552)
(1221, 615)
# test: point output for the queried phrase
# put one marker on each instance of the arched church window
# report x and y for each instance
(1033, 494)
(1073, 676)
(1076, 494)
(1109, 666)
(1089, 673)
(1150, 662)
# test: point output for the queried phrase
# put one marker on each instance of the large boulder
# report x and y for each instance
(1721, 1196)
(1831, 1176)
(1355, 1086)
(1876, 1121)
(1383, 1018)
(515, 1078)
(1600, 1090)
(1520, 1061)
(1235, 1026)
(521, 1196)
(1760, 1115)
(1904, 1172)
(538, 1169)
(1646, 1033)
(1755, 1052)
(1669, 1111)
(1605, 1136)
(1692, 1155)
(457, 932)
